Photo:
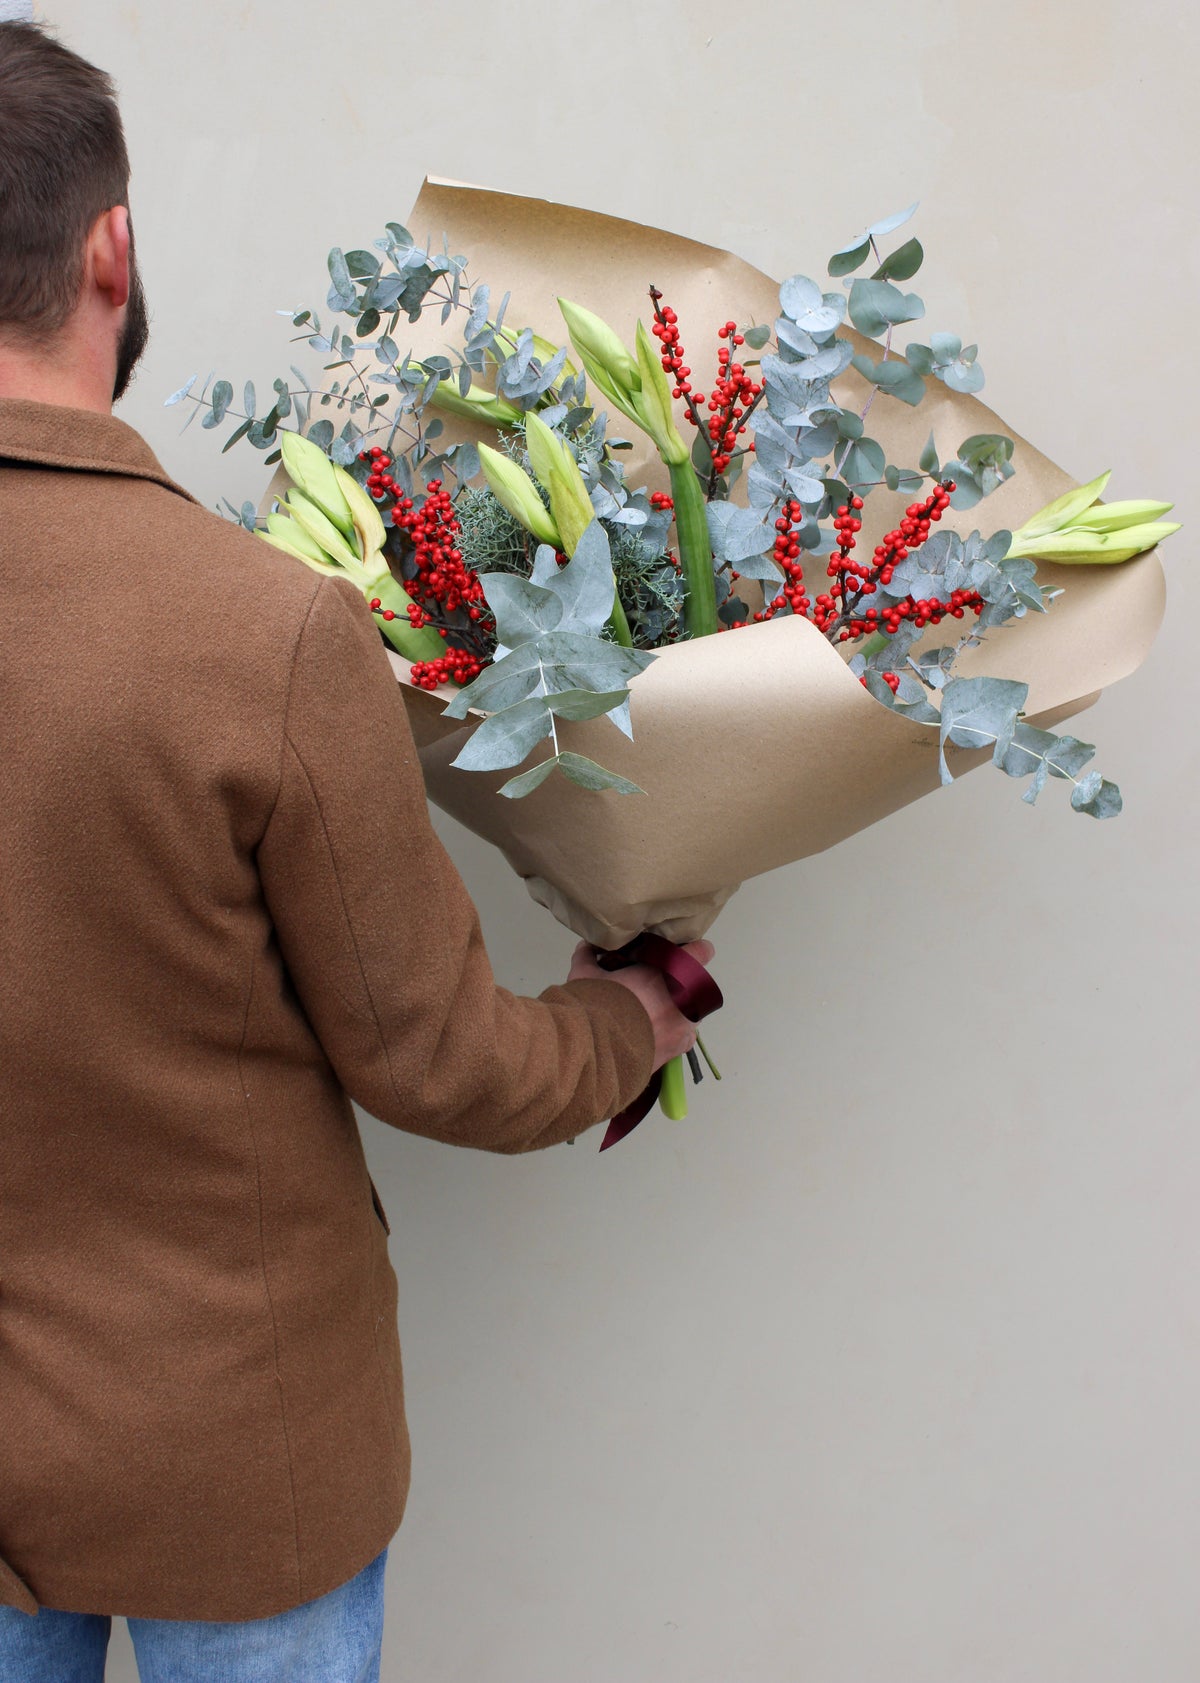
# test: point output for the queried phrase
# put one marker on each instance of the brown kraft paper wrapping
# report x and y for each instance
(757, 747)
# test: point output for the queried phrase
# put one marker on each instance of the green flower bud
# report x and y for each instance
(595, 339)
(1079, 547)
(367, 520)
(316, 523)
(310, 468)
(655, 402)
(1115, 517)
(556, 469)
(512, 487)
(477, 405)
(1078, 529)
(289, 543)
(296, 539)
(639, 389)
(606, 362)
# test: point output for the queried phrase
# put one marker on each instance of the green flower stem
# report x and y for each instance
(619, 625)
(704, 1054)
(422, 644)
(672, 1098)
(695, 552)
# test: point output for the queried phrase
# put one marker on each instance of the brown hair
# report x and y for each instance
(62, 164)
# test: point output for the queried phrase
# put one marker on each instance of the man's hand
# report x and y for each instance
(673, 1033)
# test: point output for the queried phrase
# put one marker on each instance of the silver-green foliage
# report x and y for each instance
(373, 393)
(978, 712)
(551, 663)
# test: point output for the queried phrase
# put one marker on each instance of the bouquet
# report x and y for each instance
(774, 587)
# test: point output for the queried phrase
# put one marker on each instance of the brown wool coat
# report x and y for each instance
(222, 910)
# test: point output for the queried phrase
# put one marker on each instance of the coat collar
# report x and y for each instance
(81, 439)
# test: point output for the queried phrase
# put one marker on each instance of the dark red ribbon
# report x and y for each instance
(693, 992)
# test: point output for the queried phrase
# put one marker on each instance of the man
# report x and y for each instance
(223, 910)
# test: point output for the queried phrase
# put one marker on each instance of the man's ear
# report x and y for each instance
(108, 254)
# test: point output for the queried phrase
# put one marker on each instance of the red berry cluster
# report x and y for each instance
(824, 609)
(733, 396)
(734, 393)
(661, 500)
(830, 604)
(417, 617)
(455, 666)
(835, 612)
(854, 580)
(442, 580)
(380, 483)
(443, 584)
(666, 329)
(889, 678)
(786, 554)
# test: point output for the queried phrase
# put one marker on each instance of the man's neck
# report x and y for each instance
(68, 374)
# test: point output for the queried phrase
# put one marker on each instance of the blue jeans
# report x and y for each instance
(335, 1639)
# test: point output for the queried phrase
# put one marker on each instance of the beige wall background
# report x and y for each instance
(885, 1365)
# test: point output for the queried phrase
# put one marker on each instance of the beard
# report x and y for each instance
(136, 331)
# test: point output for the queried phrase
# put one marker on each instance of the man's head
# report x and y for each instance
(65, 244)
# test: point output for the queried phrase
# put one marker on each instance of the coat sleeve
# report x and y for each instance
(382, 940)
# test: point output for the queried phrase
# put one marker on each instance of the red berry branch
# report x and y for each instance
(836, 612)
(456, 666)
(666, 330)
(786, 555)
(734, 395)
(442, 584)
(733, 399)
(854, 580)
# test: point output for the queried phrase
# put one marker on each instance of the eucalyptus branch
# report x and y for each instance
(545, 690)
(874, 393)
(348, 362)
(326, 392)
(971, 640)
(1047, 760)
